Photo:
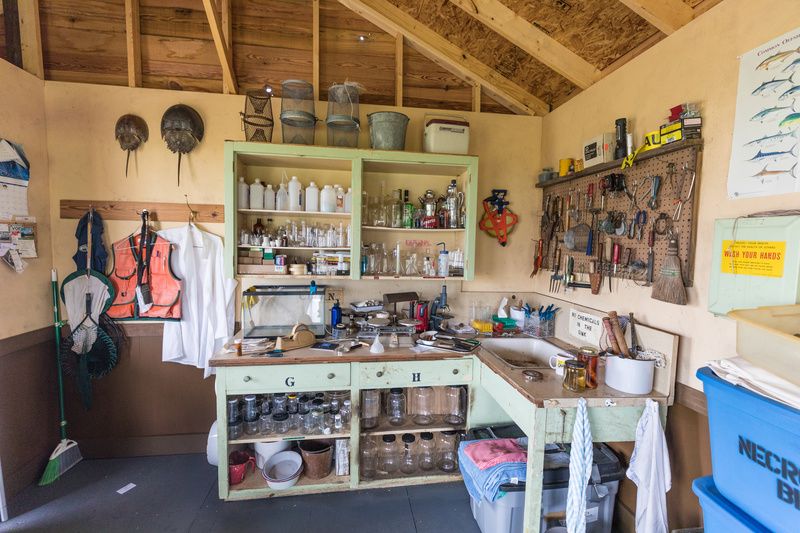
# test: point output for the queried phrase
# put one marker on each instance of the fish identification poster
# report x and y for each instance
(765, 156)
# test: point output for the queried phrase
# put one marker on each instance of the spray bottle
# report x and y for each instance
(444, 261)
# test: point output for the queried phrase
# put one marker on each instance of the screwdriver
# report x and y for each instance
(651, 240)
(615, 259)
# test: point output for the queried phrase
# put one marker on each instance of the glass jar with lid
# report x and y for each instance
(427, 451)
(369, 458)
(574, 376)
(370, 408)
(396, 407)
(408, 463)
(588, 355)
(279, 402)
(389, 455)
(315, 421)
(280, 422)
(233, 410)
(422, 399)
(448, 451)
(347, 412)
(250, 411)
(265, 424)
(455, 405)
(291, 403)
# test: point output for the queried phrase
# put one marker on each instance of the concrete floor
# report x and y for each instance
(179, 493)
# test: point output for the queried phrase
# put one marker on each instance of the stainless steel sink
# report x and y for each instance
(521, 353)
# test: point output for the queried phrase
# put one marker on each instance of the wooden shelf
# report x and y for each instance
(385, 428)
(413, 230)
(312, 248)
(289, 276)
(412, 278)
(255, 486)
(616, 164)
(294, 213)
(295, 437)
(418, 478)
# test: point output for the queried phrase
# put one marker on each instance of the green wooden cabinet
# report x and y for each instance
(364, 171)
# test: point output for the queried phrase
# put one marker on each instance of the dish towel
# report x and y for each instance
(486, 484)
(649, 469)
(739, 371)
(491, 452)
(581, 458)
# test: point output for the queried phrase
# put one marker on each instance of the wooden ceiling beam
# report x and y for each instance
(133, 41)
(30, 35)
(229, 85)
(399, 75)
(393, 20)
(315, 47)
(502, 20)
(476, 98)
(666, 15)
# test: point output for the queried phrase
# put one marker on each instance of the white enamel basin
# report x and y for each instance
(521, 352)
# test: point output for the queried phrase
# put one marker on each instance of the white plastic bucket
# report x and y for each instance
(630, 375)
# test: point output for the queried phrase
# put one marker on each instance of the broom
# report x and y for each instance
(66, 455)
(669, 285)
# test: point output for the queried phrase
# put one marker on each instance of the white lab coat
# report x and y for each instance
(649, 469)
(207, 298)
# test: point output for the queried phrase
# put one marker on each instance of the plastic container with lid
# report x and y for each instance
(339, 198)
(256, 195)
(327, 200)
(295, 196)
(720, 514)
(269, 197)
(348, 200)
(312, 197)
(282, 198)
(243, 194)
(446, 135)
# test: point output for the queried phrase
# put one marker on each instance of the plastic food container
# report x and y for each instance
(755, 453)
(765, 336)
(446, 135)
(720, 515)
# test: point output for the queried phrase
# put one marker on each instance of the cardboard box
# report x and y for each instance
(599, 149)
(256, 269)
(671, 132)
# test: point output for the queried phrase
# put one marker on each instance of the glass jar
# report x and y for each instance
(233, 410)
(588, 355)
(370, 408)
(408, 463)
(422, 399)
(427, 451)
(279, 403)
(455, 400)
(448, 451)
(251, 427)
(235, 430)
(396, 407)
(369, 458)
(316, 419)
(250, 408)
(337, 423)
(389, 457)
(280, 423)
(574, 375)
(265, 424)
(266, 405)
(347, 412)
(291, 403)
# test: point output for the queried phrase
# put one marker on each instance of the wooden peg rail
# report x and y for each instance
(159, 211)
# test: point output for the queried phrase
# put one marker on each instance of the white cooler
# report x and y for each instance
(446, 135)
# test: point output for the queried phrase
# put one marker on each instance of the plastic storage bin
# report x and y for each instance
(755, 452)
(719, 514)
(506, 513)
(765, 336)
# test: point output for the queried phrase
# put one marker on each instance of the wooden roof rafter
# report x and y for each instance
(224, 51)
(666, 15)
(395, 21)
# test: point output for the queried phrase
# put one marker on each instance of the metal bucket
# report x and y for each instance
(317, 457)
(387, 130)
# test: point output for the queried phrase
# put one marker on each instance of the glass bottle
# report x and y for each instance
(455, 408)
(422, 403)
(389, 458)
(408, 463)
(396, 407)
(408, 211)
(369, 458)
(427, 451)
(448, 446)
(396, 208)
(258, 228)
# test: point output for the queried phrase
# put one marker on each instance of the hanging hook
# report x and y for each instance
(192, 212)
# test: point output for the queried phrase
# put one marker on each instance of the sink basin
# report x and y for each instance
(520, 352)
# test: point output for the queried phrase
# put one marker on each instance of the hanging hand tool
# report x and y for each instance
(680, 201)
(626, 264)
(654, 188)
(555, 278)
(590, 242)
(651, 240)
(635, 346)
(537, 261)
(640, 222)
(608, 249)
(615, 258)
(568, 272)
(569, 207)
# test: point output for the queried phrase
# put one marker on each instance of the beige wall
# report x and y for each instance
(508, 147)
(25, 298)
(696, 64)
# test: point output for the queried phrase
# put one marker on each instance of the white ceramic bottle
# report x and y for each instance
(256, 195)
(282, 199)
(294, 194)
(269, 197)
(327, 200)
(312, 197)
(244, 194)
(348, 200)
(339, 198)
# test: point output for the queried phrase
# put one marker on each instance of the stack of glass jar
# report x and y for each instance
(396, 211)
(378, 260)
(408, 454)
(320, 413)
(297, 235)
(415, 405)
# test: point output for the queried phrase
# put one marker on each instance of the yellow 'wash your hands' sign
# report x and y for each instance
(753, 258)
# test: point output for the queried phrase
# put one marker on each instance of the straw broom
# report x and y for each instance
(669, 285)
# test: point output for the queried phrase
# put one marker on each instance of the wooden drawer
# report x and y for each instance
(287, 377)
(415, 373)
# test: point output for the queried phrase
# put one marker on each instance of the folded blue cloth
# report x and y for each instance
(485, 484)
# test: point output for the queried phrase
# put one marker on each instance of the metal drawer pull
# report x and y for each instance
(331, 375)
(455, 371)
(246, 379)
(379, 373)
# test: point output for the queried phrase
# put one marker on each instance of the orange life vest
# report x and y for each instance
(153, 260)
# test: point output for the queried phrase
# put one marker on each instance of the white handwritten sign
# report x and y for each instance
(588, 328)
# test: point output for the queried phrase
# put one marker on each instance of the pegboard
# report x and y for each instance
(686, 158)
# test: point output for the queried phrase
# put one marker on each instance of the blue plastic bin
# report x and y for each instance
(719, 514)
(755, 452)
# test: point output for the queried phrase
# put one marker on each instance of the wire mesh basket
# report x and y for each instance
(297, 112)
(257, 120)
(343, 122)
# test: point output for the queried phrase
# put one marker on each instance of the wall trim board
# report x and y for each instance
(143, 446)
(691, 398)
(26, 340)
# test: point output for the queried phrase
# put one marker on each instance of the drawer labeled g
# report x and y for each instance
(415, 373)
(287, 377)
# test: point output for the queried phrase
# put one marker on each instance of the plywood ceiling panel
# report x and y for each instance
(599, 31)
(488, 47)
(428, 85)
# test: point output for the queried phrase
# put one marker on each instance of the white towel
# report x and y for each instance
(649, 469)
(581, 458)
(739, 371)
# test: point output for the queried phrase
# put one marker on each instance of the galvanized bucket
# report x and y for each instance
(387, 130)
